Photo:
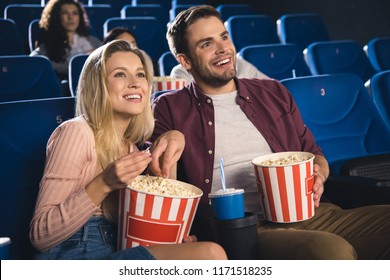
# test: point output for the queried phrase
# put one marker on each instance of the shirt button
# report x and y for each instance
(207, 181)
(210, 152)
(210, 123)
(247, 97)
(208, 100)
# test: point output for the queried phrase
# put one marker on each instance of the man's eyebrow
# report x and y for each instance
(211, 38)
(204, 40)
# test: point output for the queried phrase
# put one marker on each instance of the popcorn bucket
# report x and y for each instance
(147, 218)
(285, 182)
(168, 83)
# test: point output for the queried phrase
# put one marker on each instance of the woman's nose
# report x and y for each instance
(133, 82)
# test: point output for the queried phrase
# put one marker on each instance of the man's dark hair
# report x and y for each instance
(177, 31)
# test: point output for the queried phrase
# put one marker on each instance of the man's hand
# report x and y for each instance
(166, 151)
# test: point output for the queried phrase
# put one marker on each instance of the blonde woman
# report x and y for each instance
(92, 156)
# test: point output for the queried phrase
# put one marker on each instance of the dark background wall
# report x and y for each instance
(359, 20)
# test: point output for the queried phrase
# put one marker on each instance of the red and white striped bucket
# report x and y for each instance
(147, 219)
(286, 191)
(168, 83)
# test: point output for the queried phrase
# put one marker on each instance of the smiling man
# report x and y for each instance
(222, 116)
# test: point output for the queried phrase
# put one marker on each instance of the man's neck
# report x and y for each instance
(212, 90)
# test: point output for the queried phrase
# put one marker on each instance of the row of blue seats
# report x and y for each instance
(23, 14)
(278, 61)
(337, 108)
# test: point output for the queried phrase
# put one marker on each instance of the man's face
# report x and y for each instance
(212, 58)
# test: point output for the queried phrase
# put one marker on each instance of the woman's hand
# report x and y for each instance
(166, 151)
(123, 171)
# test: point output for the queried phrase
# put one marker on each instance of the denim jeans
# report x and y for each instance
(96, 240)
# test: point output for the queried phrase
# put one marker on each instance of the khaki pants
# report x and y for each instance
(333, 233)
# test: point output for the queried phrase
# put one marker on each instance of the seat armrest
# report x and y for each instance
(375, 167)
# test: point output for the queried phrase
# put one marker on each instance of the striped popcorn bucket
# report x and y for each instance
(147, 219)
(286, 189)
(168, 83)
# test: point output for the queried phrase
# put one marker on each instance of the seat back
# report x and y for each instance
(228, 10)
(380, 92)
(301, 29)
(246, 30)
(148, 31)
(25, 77)
(147, 10)
(76, 64)
(10, 40)
(23, 14)
(165, 4)
(176, 9)
(341, 56)
(33, 30)
(278, 61)
(97, 15)
(378, 52)
(25, 129)
(341, 115)
(165, 63)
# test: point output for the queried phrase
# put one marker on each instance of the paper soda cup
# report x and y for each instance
(227, 204)
(168, 83)
(285, 182)
(146, 218)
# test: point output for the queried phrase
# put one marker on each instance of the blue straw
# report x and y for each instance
(222, 174)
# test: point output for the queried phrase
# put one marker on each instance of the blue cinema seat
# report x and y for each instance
(146, 10)
(302, 29)
(10, 40)
(338, 56)
(25, 128)
(227, 10)
(246, 30)
(149, 32)
(25, 77)
(76, 64)
(23, 14)
(278, 61)
(378, 52)
(166, 62)
(380, 92)
(341, 115)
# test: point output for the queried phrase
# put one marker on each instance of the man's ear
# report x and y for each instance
(184, 61)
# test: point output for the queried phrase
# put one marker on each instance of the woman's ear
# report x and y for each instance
(184, 61)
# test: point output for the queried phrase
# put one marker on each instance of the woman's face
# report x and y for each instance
(127, 85)
(70, 17)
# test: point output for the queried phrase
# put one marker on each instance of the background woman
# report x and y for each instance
(64, 32)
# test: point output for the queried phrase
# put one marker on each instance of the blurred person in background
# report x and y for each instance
(120, 33)
(64, 32)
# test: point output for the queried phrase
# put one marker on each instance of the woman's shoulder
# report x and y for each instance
(76, 127)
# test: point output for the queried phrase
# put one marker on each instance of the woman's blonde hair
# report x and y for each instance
(93, 102)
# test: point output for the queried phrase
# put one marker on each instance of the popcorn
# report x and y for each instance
(284, 161)
(160, 186)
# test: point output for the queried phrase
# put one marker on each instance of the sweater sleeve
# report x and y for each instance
(63, 206)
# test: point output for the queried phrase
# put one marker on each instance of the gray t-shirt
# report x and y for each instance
(237, 141)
